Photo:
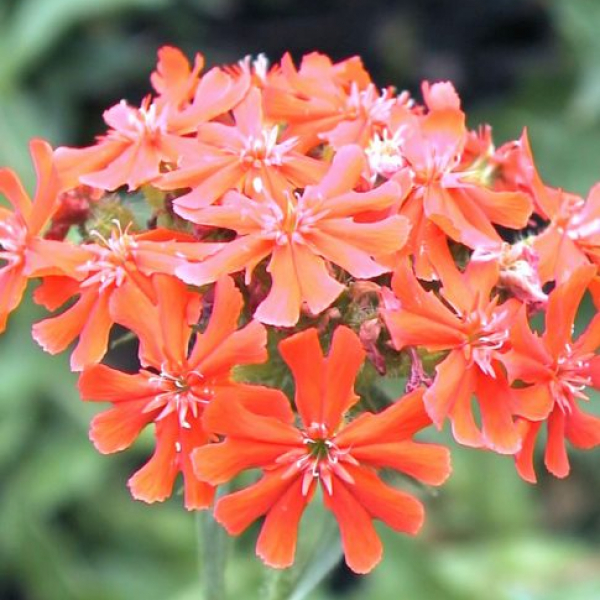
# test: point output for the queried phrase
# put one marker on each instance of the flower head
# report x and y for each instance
(302, 235)
(343, 458)
(175, 385)
(120, 265)
(23, 250)
(558, 370)
(474, 328)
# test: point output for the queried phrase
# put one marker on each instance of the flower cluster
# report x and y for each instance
(244, 219)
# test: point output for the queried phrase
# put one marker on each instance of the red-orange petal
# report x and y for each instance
(555, 457)
(54, 291)
(342, 252)
(362, 546)
(238, 255)
(243, 347)
(190, 205)
(353, 203)
(508, 209)
(197, 494)
(281, 307)
(303, 354)
(524, 458)
(563, 304)
(12, 288)
(219, 463)
(53, 257)
(499, 432)
(398, 422)
(56, 333)
(117, 428)
(132, 308)
(239, 510)
(582, 429)
(154, 481)
(454, 382)
(227, 307)
(12, 188)
(345, 171)
(46, 193)
(398, 510)
(104, 384)
(93, 339)
(226, 416)
(589, 341)
(177, 309)
(258, 399)
(529, 358)
(533, 402)
(461, 220)
(276, 543)
(410, 329)
(318, 288)
(345, 358)
(428, 463)
(73, 163)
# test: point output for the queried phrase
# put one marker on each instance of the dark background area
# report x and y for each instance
(68, 528)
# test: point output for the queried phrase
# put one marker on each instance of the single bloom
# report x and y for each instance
(121, 265)
(472, 326)
(326, 102)
(24, 253)
(572, 236)
(245, 156)
(343, 458)
(448, 192)
(174, 385)
(303, 236)
(557, 369)
(141, 140)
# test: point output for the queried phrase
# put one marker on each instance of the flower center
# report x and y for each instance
(320, 459)
(13, 240)
(488, 335)
(108, 268)
(375, 106)
(571, 378)
(383, 153)
(184, 393)
(264, 149)
(146, 121)
(289, 226)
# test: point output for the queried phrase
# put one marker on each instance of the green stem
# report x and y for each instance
(279, 584)
(213, 551)
(320, 563)
(299, 581)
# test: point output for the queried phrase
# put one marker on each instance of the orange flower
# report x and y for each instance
(516, 170)
(141, 139)
(326, 101)
(123, 266)
(22, 247)
(343, 458)
(464, 209)
(558, 369)
(572, 238)
(246, 156)
(300, 234)
(474, 328)
(174, 387)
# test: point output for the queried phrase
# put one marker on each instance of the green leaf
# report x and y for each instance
(36, 25)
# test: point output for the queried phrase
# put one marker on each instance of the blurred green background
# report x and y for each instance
(68, 528)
